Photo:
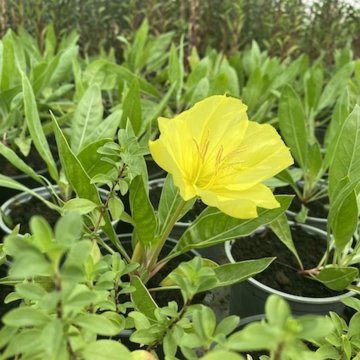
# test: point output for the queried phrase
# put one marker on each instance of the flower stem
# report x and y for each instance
(156, 251)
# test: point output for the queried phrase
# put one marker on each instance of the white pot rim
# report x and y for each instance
(24, 196)
(295, 298)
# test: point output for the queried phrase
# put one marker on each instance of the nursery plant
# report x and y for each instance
(203, 160)
(298, 122)
(49, 71)
(337, 268)
(73, 307)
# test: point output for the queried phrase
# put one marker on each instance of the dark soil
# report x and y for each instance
(190, 216)
(318, 208)
(21, 213)
(283, 273)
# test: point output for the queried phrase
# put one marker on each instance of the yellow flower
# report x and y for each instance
(213, 151)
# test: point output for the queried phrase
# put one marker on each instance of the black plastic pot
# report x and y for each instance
(248, 298)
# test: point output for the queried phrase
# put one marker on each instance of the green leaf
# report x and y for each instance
(23, 317)
(337, 278)
(91, 159)
(229, 274)
(227, 325)
(335, 86)
(69, 228)
(142, 298)
(222, 354)
(42, 233)
(347, 153)
(52, 337)
(30, 291)
(277, 311)
(314, 162)
(83, 206)
(78, 178)
(10, 183)
(280, 226)
(214, 227)
(14, 159)
(169, 201)
(132, 108)
(292, 124)
(88, 115)
(176, 69)
(98, 324)
(35, 127)
(142, 212)
(344, 221)
(105, 350)
(106, 128)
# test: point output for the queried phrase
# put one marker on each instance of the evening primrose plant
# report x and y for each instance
(212, 152)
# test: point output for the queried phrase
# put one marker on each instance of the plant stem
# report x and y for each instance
(156, 252)
(104, 209)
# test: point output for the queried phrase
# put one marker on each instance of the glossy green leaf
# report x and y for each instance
(78, 178)
(214, 227)
(335, 86)
(14, 159)
(338, 278)
(222, 354)
(280, 226)
(229, 274)
(142, 298)
(91, 159)
(344, 222)
(142, 212)
(292, 124)
(346, 160)
(132, 108)
(106, 129)
(10, 183)
(25, 316)
(169, 201)
(83, 206)
(35, 127)
(87, 116)
(98, 324)
(105, 349)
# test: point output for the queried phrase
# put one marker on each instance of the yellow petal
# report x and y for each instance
(261, 155)
(240, 204)
(170, 154)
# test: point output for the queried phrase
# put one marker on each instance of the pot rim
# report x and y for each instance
(319, 220)
(23, 197)
(295, 298)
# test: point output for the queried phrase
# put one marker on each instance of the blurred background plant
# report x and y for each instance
(283, 27)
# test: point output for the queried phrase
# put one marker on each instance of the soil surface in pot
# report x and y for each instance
(283, 274)
(190, 216)
(317, 208)
(21, 213)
